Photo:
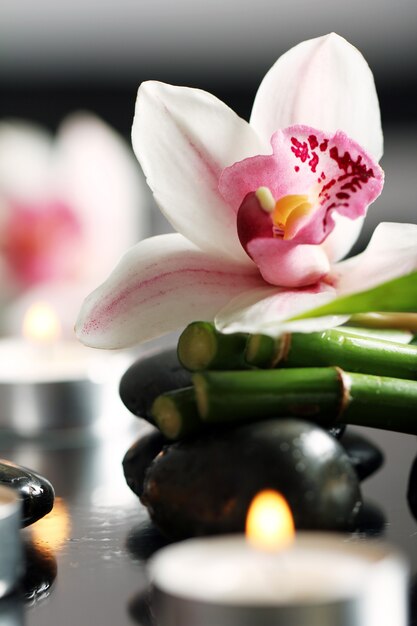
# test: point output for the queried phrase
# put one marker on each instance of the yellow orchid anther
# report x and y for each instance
(289, 210)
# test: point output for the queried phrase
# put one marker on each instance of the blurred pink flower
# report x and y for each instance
(69, 207)
(39, 242)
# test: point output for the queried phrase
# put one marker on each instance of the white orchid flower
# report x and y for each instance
(69, 208)
(259, 231)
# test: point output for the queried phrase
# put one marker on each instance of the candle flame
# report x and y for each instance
(269, 524)
(41, 323)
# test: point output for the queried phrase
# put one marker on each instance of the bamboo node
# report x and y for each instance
(283, 351)
(345, 386)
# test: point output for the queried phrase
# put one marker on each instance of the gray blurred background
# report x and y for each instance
(56, 57)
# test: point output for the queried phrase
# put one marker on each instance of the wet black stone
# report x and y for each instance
(144, 540)
(205, 486)
(413, 600)
(412, 493)
(365, 456)
(36, 492)
(150, 376)
(139, 457)
(140, 609)
(371, 520)
(141, 454)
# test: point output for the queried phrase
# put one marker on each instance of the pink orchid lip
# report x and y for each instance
(333, 171)
(281, 262)
(261, 216)
(289, 198)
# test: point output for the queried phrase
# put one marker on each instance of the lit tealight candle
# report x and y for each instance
(314, 579)
(45, 382)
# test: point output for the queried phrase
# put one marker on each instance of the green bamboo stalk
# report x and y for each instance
(175, 413)
(201, 347)
(240, 396)
(327, 396)
(381, 402)
(353, 352)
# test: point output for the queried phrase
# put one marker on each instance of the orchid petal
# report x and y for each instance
(267, 310)
(161, 284)
(98, 177)
(344, 235)
(183, 139)
(325, 83)
(391, 253)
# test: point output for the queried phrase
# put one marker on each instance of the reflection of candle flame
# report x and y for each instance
(41, 323)
(53, 530)
(269, 524)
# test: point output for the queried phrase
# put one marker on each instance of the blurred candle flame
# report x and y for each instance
(53, 530)
(41, 323)
(269, 523)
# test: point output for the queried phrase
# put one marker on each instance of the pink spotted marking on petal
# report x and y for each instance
(355, 173)
(314, 161)
(300, 149)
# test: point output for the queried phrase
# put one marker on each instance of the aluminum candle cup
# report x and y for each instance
(45, 382)
(11, 552)
(320, 580)
(46, 387)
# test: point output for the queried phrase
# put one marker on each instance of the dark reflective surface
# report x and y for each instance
(40, 573)
(87, 559)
